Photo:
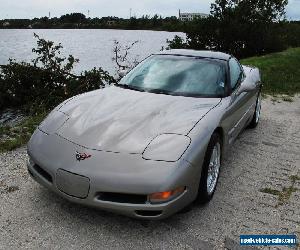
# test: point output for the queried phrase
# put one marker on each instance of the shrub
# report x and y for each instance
(177, 43)
(47, 80)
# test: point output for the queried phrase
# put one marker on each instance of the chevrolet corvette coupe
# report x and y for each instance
(152, 144)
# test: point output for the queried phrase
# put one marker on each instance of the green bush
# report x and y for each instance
(47, 80)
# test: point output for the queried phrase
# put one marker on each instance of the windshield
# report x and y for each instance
(178, 75)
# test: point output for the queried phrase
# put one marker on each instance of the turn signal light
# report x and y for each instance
(166, 196)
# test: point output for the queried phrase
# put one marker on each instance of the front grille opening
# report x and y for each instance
(43, 173)
(122, 198)
(148, 213)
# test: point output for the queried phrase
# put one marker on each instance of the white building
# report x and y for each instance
(6, 24)
(191, 16)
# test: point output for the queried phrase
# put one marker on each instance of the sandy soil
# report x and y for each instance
(267, 157)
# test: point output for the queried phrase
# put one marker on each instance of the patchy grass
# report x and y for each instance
(287, 99)
(282, 98)
(14, 137)
(270, 191)
(294, 178)
(280, 72)
(285, 194)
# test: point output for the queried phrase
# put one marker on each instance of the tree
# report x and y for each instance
(248, 27)
(156, 20)
(240, 27)
(73, 18)
(252, 10)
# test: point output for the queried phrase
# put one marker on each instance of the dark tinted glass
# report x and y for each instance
(235, 72)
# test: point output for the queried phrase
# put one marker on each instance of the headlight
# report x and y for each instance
(53, 122)
(167, 147)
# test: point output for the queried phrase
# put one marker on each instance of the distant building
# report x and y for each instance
(191, 16)
(5, 24)
(111, 22)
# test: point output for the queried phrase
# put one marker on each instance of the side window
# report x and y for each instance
(235, 72)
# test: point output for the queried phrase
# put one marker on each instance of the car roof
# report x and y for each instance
(196, 53)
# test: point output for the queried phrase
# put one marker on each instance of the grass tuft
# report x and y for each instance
(285, 194)
(270, 191)
(287, 99)
(294, 178)
(14, 137)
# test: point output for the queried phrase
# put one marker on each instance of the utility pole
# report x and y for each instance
(88, 13)
(49, 14)
(130, 13)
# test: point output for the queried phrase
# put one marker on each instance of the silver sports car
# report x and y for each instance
(152, 144)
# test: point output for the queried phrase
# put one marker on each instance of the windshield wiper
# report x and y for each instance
(155, 91)
(160, 91)
(126, 86)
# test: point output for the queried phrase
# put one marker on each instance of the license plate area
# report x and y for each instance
(72, 184)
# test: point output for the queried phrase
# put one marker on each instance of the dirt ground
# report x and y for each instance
(258, 193)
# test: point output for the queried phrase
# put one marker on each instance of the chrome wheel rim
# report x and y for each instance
(214, 169)
(258, 109)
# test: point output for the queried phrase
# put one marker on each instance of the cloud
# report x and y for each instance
(99, 8)
(293, 9)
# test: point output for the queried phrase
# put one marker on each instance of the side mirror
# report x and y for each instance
(246, 86)
(122, 73)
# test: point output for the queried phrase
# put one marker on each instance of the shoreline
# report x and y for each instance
(116, 29)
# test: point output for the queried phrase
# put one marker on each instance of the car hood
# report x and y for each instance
(121, 120)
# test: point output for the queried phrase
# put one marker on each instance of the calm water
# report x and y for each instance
(91, 47)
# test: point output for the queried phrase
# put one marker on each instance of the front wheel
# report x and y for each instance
(257, 113)
(210, 170)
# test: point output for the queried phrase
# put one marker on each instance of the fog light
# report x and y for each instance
(166, 196)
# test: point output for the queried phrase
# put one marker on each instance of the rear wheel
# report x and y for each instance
(257, 113)
(210, 170)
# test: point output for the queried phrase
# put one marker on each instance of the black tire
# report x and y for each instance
(203, 195)
(254, 122)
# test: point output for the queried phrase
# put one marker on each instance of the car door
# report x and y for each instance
(237, 113)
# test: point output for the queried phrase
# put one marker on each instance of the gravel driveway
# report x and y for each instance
(257, 194)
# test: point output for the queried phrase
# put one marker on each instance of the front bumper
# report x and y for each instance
(53, 164)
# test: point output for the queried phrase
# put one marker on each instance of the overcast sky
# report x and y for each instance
(120, 8)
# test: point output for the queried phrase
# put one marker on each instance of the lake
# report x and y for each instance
(92, 47)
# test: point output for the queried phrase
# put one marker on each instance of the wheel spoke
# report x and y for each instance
(214, 168)
(258, 109)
